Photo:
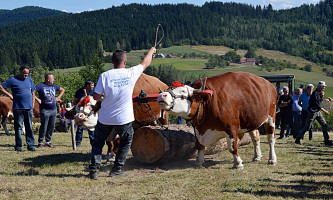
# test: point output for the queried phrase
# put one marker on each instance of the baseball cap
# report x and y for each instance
(309, 85)
(321, 83)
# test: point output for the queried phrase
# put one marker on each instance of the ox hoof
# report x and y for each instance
(239, 167)
(256, 159)
(272, 162)
(199, 164)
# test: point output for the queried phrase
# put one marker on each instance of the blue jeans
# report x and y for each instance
(47, 120)
(79, 133)
(102, 132)
(20, 117)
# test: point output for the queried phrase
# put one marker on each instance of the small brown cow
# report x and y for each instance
(6, 113)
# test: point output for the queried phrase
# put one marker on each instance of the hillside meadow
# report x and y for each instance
(302, 172)
(197, 65)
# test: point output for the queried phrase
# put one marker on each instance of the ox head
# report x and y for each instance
(178, 98)
(85, 113)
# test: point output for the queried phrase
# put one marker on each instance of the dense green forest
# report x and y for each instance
(26, 13)
(75, 39)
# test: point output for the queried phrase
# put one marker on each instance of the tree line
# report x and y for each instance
(74, 39)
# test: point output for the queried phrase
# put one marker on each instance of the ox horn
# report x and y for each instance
(200, 90)
(160, 89)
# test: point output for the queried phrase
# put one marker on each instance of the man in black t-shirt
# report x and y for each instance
(285, 104)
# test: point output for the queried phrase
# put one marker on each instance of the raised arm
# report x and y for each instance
(148, 58)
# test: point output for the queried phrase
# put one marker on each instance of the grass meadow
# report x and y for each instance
(302, 172)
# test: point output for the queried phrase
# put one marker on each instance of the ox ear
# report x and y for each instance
(200, 98)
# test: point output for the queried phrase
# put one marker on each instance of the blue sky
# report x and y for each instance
(75, 6)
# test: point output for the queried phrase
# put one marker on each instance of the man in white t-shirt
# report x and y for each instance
(116, 86)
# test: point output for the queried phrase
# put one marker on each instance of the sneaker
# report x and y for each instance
(40, 145)
(328, 143)
(48, 144)
(31, 149)
(93, 174)
(78, 145)
(118, 172)
(19, 149)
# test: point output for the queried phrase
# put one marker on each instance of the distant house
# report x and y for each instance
(170, 56)
(247, 61)
(159, 56)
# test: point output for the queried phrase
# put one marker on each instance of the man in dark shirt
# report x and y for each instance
(285, 104)
(48, 108)
(314, 113)
(87, 89)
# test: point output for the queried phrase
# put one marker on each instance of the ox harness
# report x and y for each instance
(143, 100)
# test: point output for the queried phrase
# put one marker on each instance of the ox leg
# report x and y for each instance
(256, 144)
(109, 155)
(201, 153)
(271, 141)
(4, 125)
(233, 149)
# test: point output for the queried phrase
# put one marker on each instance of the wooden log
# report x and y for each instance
(153, 144)
(222, 144)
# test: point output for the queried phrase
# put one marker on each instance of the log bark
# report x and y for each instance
(154, 144)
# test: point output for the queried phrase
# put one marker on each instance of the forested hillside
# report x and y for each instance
(74, 39)
(25, 14)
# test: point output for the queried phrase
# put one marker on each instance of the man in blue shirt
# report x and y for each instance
(297, 111)
(48, 108)
(23, 97)
(304, 103)
(87, 89)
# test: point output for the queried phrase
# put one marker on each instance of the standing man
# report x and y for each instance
(297, 111)
(314, 113)
(23, 97)
(304, 103)
(285, 104)
(87, 89)
(48, 108)
(116, 110)
(279, 91)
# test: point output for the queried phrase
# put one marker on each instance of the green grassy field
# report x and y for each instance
(302, 172)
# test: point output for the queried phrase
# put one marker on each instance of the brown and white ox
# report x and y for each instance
(6, 113)
(240, 102)
(85, 113)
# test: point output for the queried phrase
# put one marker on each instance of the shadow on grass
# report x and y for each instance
(132, 163)
(315, 150)
(301, 189)
(55, 159)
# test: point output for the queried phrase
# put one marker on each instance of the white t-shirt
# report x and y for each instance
(117, 86)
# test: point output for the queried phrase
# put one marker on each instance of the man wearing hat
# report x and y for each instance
(304, 103)
(314, 113)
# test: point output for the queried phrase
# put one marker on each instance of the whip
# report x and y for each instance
(157, 29)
